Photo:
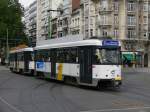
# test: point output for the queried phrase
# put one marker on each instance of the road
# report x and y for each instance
(20, 93)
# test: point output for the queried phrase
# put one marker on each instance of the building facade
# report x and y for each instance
(76, 21)
(30, 22)
(45, 17)
(26, 21)
(125, 20)
(33, 24)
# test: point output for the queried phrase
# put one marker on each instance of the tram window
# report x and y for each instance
(43, 55)
(106, 56)
(97, 58)
(39, 56)
(67, 55)
(73, 55)
(12, 56)
(32, 56)
(20, 56)
(60, 55)
(47, 55)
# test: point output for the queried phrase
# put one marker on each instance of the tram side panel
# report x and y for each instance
(29, 62)
(62, 67)
(12, 62)
(78, 64)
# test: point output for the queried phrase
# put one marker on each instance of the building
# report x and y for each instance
(60, 22)
(30, 22)
(63, 19)
(126, 20)
(45, 17)
(68, 21)
(75, 27)
(26, 21)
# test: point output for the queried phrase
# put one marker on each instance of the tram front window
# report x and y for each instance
(106, 56)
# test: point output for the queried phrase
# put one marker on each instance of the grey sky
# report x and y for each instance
(26, 3)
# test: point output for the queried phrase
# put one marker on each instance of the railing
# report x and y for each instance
(105, 9)
(102, 23)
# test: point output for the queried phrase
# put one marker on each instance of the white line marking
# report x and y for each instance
(9, 105)
(110, 110)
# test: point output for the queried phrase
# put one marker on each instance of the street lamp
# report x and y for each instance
(7, 48)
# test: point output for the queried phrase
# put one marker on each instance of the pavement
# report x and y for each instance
(134, 70)
(19, 93)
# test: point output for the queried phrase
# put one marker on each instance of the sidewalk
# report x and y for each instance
(3, 68)
(142, 70)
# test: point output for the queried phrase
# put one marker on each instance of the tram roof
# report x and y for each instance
(91, 42)
(21, 50)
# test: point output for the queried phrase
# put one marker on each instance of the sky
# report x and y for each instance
(26, 3)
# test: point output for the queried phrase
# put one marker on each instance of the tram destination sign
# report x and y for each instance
(110, 43)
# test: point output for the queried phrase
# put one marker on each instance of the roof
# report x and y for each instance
(21, 50)
(92, 42)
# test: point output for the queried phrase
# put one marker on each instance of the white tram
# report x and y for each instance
(87, 62)
(22, 60)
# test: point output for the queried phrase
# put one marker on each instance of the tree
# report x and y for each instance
(11, 15)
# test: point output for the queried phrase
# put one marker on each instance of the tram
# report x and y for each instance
(22, 60)
(86, 62)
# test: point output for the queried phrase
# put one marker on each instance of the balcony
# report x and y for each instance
(104, 24)
(131, 7)
(104, 10)
(81, 2)
(132, 26)
(131, 12)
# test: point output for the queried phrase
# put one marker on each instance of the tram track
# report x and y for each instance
(27, 94)
(65, 104)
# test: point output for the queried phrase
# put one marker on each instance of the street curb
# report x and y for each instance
(3, 68)
(145, 70)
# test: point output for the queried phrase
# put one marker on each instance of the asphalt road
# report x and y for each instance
(20, 93)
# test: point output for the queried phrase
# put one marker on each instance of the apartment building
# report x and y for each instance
(75, 27)
(64, 18)
(26, 21)
(30, 22)
(68, 22)
(45, 17)
(126, 20)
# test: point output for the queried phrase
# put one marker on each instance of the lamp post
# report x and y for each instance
(7, 47)
(12, 2)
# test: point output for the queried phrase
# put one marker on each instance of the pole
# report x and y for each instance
(49, 27)
(7, 49)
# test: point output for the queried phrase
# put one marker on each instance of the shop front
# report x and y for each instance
(132, 59)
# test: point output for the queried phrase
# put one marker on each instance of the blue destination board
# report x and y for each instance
(110, 43)
(40, 65)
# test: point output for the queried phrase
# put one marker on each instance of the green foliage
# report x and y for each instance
(10, 18)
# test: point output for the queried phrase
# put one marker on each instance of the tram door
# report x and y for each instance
(15, 64)
(26, 57)
(53, 63)
(85, 65)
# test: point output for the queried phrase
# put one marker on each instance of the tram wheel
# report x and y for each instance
(70, 80)
(39, 75)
